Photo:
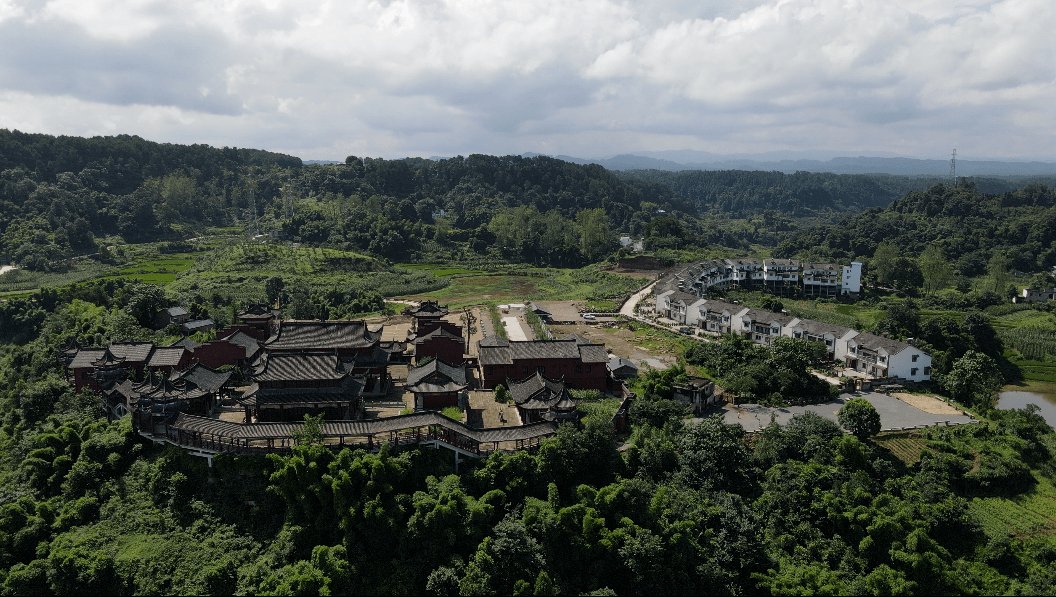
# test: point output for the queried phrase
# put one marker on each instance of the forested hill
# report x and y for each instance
(742, 193)
(120, 164)
(970, 227)
(65, 196)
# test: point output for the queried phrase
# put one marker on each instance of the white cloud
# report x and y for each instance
(582, 77)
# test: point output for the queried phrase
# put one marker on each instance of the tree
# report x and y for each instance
(502, 395)
(274, 288)
(883, 263)
(596, 238)
(860, 418)
(145, 302)
(311, 432)
(974, 378)
(935, 268)
(997, 271)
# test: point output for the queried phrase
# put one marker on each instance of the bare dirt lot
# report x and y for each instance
(621, 342)
(928, 404)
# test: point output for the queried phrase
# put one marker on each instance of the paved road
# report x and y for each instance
(894, 414)
(628, 307)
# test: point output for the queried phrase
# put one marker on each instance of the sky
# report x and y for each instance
(588, 78)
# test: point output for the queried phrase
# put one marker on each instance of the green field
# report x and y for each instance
(599, 287)
(1030, 514)
(906, 446)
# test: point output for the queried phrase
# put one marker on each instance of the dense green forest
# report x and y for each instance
(741, 193)
(673, 507)
(968, 226)
(66, 196)
(87, 507)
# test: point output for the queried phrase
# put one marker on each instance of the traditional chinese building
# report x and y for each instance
(436, 384)
(426, 313)
(539, 398)
(156, 402)
(287, 386)
(581, 363)
(440, 343)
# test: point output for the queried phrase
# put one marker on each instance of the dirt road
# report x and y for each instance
(628, 307)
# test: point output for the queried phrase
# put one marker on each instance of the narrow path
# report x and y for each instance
(628, 307)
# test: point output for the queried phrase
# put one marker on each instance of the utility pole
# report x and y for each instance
(953, 169)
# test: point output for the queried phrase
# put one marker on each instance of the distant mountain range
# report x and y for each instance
(790, 162)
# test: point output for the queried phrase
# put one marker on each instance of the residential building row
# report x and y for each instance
(784, 277)
(863, 352)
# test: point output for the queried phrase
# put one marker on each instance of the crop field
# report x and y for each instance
(21, 281)
(442, 270)
(471, 290)
(1032, 513)
(468, 287)
(155, 271)
(906, 446)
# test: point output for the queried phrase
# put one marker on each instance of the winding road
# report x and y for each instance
(628, 307)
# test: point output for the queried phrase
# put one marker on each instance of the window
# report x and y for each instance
(915, 358)
(913, 372)
(541, 369)
(526, 369)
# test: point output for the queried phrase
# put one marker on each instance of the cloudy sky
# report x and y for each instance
(588, 78)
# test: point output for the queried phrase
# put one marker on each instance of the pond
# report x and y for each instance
(1019, 399)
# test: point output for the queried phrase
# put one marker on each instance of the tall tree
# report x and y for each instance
(935, 268)
(974, 378)
(998, 273)
(883, 263)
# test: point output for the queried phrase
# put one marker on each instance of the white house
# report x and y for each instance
(713, 316)
(852, 279)
(781, 276)
(761, 327)
(746, 272)
(821, 280)
(884, 357)
(834, 336)
(1036, 295)
(674, 304)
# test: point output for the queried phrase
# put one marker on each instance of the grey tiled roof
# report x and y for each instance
(874, 342)
(819, 328)
(361, 428)
(760, 316)
(308, 335)
(537, 392)
(132, 352)
(198, 324)
(166, 356)
(436, 376)
(427, 309)
(256, 313)
(349, 388)
(84, 358)
(438, 333)
(567, 348)
(685, 297)
(204, 377)
(298, 367)
(251, 344)
(185, 343)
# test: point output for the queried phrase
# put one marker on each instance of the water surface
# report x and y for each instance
(1018, 399)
